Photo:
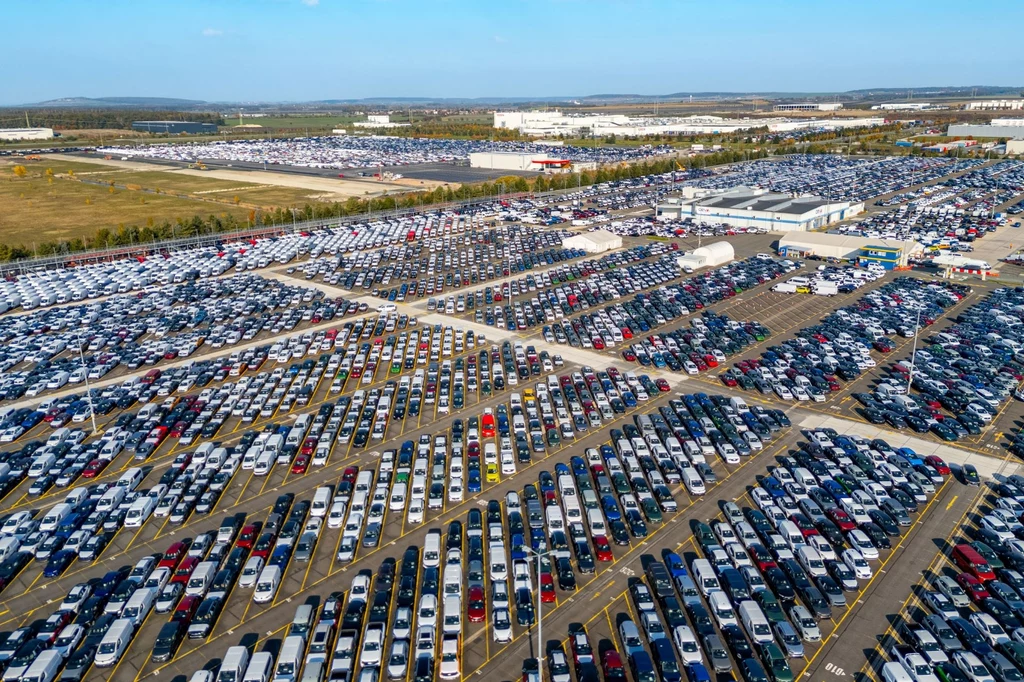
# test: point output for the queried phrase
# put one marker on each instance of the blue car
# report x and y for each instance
(473, 481)
(59, 563)
(773, 487)
(675, 565)
(611, 507)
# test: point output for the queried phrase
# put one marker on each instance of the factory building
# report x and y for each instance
(708, 256)
(903, 106)
(995, 104)
(758, 208)
(597, 241)
(174, 127)
(808, 106)
(1000, 127)
(1015, 146)
(518, 161)
(11, 134)
(889, 253)
(555, 123)
(379, 121)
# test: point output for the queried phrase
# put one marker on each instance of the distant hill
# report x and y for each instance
(118, 103)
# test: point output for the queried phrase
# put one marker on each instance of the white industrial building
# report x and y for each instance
(808, 106)
(597, 241)
(903, 106)
(746, 207)
(379, 121)
(708, 256)
(891, 252)
(555, 123)
(1015, 146)
(999, 127)
(995, 104)
(522, 161)
(10, 134)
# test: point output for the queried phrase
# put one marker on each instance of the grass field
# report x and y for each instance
(318, 123)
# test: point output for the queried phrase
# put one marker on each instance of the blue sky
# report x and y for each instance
(274, 50)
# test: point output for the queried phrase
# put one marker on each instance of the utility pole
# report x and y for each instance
(88, 389)
(913, 352)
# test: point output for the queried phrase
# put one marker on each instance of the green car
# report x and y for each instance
(651, 510)
(775, 663)
(770, 605)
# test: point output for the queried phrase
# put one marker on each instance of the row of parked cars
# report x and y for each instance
(708, 342)
(970, 625)
(619, 322)
(961, 377)
(811, 365)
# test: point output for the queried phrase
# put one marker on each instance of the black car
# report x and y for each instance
(205, 618)
(566, 577)
(79, 662)
(168, 640)
(884, 521)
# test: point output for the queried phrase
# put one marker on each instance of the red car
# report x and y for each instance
(582, 651)
(300, 464)
(974, 588)
(629, 356)
(547, 589)
(184, 570)
(186, 608)
(476, 605)
(728, 380)
(264, 545)
(248, 535)
(936, 462)
(710, 359)
(611, 665)
(841, 519)
(602, 550)
(598, 343)
(662, 385)
(761, 557)
(487, 425)
(94, 467)
(174, 554)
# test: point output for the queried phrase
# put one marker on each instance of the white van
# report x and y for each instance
(234, 664)
(110, 499)
(201, 578)
(139, 605)
(811, 560)
(498, 561)
(263, 463)
(721, 608)
(139, 511)
(44, 668)
(894, 672)
(453, 579)
(131, 479)
(54, 516)
(595, 519)
(755, 622)
(704, 576)
(432, 549)
(290, 659)
(260, 667)
(321, 501)
(554, 518)
(114, 643)
(267, 584)
(693, 482)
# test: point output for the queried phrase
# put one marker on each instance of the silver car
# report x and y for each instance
(786, 634)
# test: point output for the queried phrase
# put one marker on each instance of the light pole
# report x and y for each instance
(540, 619)
(913, 352)
(88, 390)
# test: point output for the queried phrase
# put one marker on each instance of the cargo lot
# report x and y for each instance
(578, 428)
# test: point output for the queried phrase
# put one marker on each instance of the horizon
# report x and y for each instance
(281, 51)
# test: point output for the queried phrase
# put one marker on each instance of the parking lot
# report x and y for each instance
(333, 440)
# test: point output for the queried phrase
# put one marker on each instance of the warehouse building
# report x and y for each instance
(519, 161)
(11, 134)
(889, 253)
(708, 256)
(1015, 146)
(1000, 127)
(808, 106)
(597, 241)
(758, 208)
(174, 127)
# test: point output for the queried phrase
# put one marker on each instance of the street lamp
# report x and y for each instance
(540, 619)
(88, 389)
(913, 352)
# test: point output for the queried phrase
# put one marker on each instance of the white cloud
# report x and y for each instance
(212, 32)
(500, 39)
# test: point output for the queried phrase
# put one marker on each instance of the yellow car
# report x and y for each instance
(492, 473)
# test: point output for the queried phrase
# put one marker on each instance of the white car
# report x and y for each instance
(856, 562)
(450, 667)
(972, 667)
(250, 572)
(373, 645)
(501, 621)
(989, 628)
(416, 510)
(995, 524)
(398, 660)
(455, 490)
(860, 541)
(76, 596)
(825, 549)
(686, 642)
(426, 614)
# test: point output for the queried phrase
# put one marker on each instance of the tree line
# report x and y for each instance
(78, 119)
(197, 225)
